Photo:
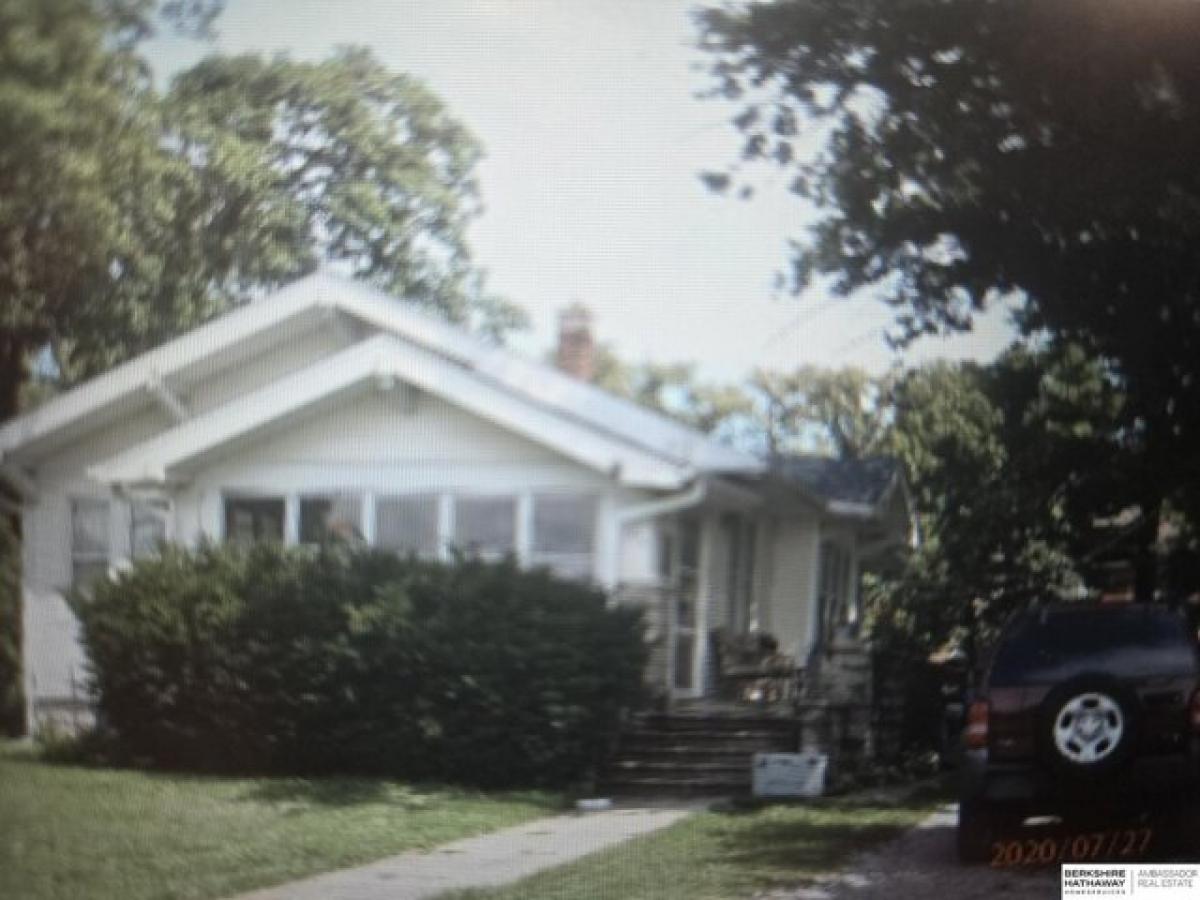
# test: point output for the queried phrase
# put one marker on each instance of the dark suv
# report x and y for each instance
(1084, 709)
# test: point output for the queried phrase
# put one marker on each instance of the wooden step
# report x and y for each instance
(684, 754)
(666, 785)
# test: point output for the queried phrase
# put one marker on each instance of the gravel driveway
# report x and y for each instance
(922, 865)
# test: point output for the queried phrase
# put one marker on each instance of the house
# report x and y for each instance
(329, 406)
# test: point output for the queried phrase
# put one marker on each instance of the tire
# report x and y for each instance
(977, 829)
(1088, 727)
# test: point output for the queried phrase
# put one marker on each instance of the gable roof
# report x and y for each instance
(379, 363)
(848, 486)
(604, 414)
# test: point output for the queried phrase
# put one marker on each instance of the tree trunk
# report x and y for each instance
(14, 372)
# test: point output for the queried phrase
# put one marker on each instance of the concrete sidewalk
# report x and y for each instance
(490, 860)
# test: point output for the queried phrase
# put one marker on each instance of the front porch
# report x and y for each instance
(753, 621)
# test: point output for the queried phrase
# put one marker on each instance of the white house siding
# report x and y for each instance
(639, 548)
(299, 351)
(53, 659)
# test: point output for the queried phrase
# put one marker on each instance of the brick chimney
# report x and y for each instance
(576, 349)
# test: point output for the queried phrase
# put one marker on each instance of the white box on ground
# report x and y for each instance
(789, 774)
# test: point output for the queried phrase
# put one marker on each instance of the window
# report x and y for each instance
(407, 524)
(666, 555)
(564, 527)
(250, 519)
(89, 540)
(147, 527)
(334, 518)
(486, 526)
(689, 557)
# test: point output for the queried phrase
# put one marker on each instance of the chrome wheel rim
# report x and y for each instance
(1088, 728)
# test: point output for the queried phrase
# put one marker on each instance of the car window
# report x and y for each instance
(1129, 642)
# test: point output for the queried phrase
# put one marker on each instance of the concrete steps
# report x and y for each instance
(692, 754)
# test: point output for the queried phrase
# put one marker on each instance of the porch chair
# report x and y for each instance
(750, 668)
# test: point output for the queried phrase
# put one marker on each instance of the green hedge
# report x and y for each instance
(291, 661)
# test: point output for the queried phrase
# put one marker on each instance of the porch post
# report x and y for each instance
(814, 595)
(524, 528)
(708, 528)
(291, 519)
(367, 524)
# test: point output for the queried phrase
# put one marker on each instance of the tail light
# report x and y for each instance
(1194, 711)
(976, 734)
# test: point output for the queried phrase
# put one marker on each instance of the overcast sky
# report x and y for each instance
(594, 136)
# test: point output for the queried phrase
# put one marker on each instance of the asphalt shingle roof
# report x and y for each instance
(862, 481)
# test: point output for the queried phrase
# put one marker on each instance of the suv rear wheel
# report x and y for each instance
(1088, 725)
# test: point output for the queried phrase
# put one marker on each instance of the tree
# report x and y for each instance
(1006, 467)
(962, 152)
(129, 217)
(672, 388)
(843, 412)
(80, 154)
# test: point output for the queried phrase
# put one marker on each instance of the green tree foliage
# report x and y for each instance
(1010, 467)
(130, 216)
(843, 412)
(961, 152)
(290, 661)
(80, 155)
(340, 160)
(673, 389)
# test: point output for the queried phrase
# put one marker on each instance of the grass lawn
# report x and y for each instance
(724, 855)
(71, 832)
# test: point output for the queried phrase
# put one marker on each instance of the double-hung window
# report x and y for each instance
(90, 541)
(147, 528)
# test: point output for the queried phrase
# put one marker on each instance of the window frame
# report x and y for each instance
(252, 497)
(434, 498)
(158, 511)
(491, 554)
(79, 557)
(577, 564)
(331, 496)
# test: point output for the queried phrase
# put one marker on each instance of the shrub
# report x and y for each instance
(295, 661)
